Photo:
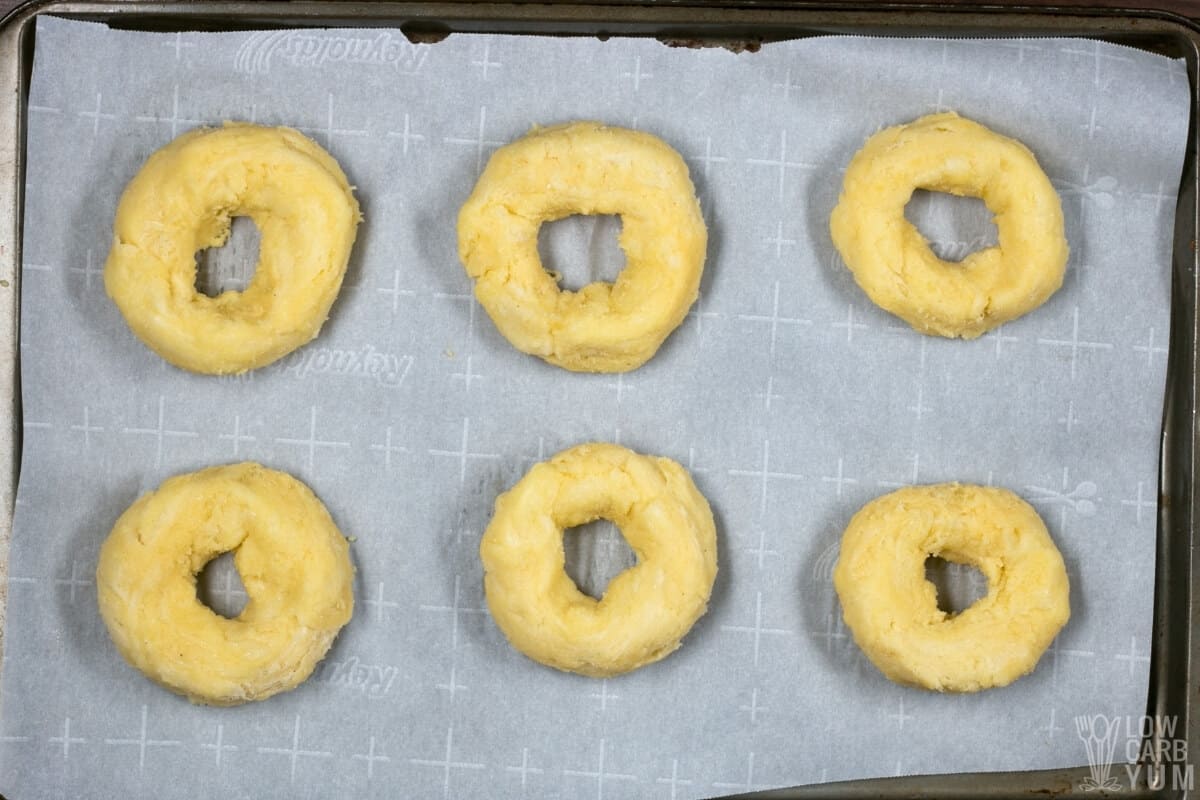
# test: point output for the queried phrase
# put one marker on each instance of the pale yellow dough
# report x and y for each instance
(648, 608)
(181, 201)
(890, 258)
(892, 610)
(293, 561)
(585, 168)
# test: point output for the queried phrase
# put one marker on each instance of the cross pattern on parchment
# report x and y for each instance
(674, 781)
(394, 291)
(746, 785)
(485, 63)
(850, 324)
(1022, 46)
(1133, 658)
(95, 114)
(89, 270)
(782, 163)
(768, 395)
(839, 480)
(455, 610)
(174, 119)
(464, 454)
(765, 475)
(237, 437)
(604, 695)
(87, 429)
(787, 84)
(636, 75)
(753, 707)
(447, 763)
(524, 770)
(999, 337)
(330, 130)
(218, 745)
(757, 630)
(834, 631)
(600, 774)
(775, 319)
(66, 740)
(1050, 728)
(452, 687)
(312, 442)
(161, 432)
(387, 448)
(480, 142)
(74, 580)
(1098, 56)
(698, 314)
(295, 752)
(1069, 420)
(142, 742)
(1150, 349)
(779, 241)
(914, 477)
(708, 159)
(381, 605)
(178, 44)
(1075, 344)
(762, 551)
(468, 375)
(1056, 651)
(899, 716)
(370, 758)
(1138, 502)
(406, 136)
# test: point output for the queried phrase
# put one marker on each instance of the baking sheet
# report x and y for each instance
(791, 397)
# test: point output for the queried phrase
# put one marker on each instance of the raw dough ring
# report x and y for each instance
(181, 201)
(890, 258)
(585, 168)
(293, 561)
(648, 608)
(892, 610)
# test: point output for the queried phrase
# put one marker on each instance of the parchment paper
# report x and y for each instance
(791, 397)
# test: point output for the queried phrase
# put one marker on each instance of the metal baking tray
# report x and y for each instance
(1175, 658)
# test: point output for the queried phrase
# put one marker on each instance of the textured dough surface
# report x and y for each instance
(648, 608)
(293, 561)
(182, 200)
(892, 609)
(890, 258)
(585, 168)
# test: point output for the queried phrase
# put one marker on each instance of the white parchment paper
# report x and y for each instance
(791, 397)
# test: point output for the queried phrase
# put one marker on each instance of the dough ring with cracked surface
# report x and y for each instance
(182, 200)
(293, 561)
(648, 608)
(892, 609)
(585, 168)
(890, 258)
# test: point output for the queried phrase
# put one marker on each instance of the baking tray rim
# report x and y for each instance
(1174, 673)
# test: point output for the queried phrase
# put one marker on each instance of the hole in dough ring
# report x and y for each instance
(647, 609)
(585, 168)
(892, 609)
(294, 564)
(182, 200)
(893, 263)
